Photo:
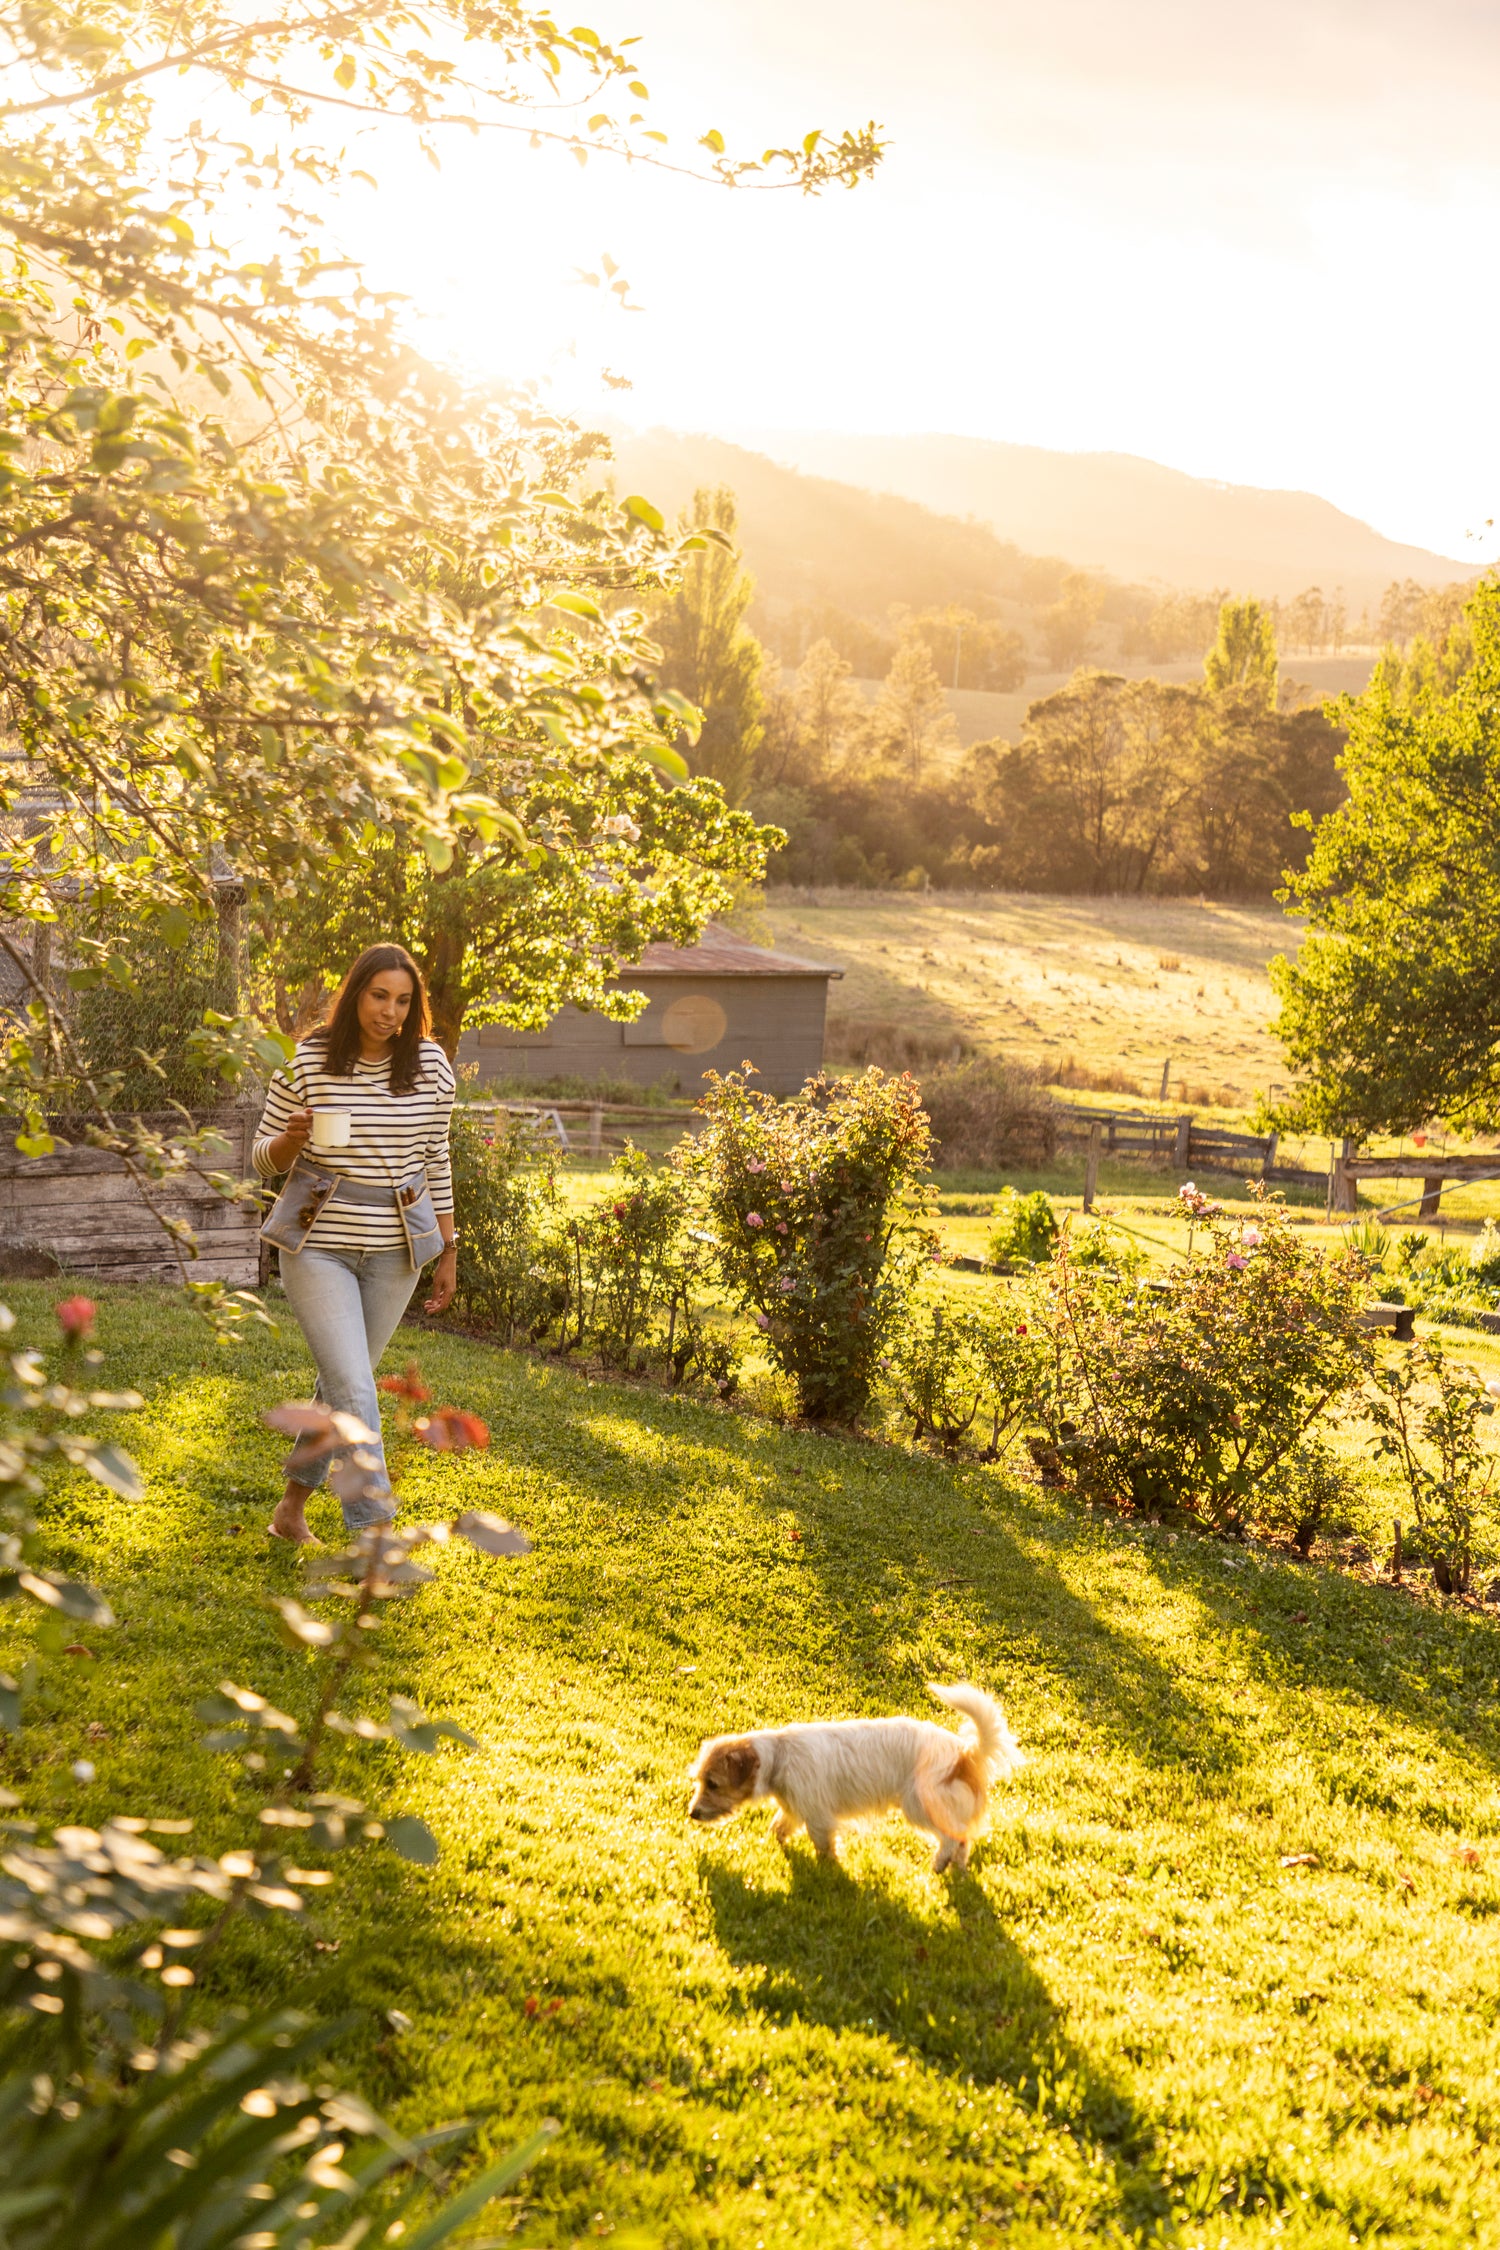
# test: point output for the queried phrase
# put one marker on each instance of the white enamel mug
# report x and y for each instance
(330, 1128)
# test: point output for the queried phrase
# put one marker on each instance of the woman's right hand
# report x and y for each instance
(289, 1144)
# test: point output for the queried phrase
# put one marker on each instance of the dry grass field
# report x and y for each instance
(1091, 990)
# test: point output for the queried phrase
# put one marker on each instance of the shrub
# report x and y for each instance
(1091, 1243)
(1484, 1256)
(1308, 1492)
(1427, 1414)
(1025, 1229)
(637, 1276)
(502, 1206)
(962, 1368)
(989, 1113)
(814, 1208)
(1194, 1391)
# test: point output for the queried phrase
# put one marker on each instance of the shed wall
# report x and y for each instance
(774, 1022)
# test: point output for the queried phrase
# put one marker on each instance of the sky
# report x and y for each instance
(1254, 244)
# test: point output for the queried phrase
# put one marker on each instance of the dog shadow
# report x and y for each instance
(951, 1988)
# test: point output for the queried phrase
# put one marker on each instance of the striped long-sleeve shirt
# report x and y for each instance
(391, 1136)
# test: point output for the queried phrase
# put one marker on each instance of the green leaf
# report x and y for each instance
(115, 1469)
(580, 605)
(644, 512)
(68, 1595)
(414, 1840)
(483, 2190)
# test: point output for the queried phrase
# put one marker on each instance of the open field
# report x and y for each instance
(1224, 1973)
(1118, 984)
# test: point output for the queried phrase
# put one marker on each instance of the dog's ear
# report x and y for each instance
(737, 1764)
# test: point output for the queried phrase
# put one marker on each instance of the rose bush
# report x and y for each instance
(818, 1223)
(1191, 1390)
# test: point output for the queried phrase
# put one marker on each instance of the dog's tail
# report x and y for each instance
(997, 1745)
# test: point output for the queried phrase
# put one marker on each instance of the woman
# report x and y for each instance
(366, 1204)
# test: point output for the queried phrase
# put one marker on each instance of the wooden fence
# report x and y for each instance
(79, 1211)
(593, 1128)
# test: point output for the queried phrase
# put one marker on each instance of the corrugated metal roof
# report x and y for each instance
(719, 953)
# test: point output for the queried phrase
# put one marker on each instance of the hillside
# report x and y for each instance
(810, 540)
(1117, 986)
(1132, 518)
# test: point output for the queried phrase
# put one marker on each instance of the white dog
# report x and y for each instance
(821, 1776)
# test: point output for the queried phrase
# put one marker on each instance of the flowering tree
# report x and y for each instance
(268, 581)
(815, 1206)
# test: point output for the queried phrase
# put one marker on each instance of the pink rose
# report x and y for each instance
(754, 1219)
(1240, 1265)
(781, 1226)
(755, 1164)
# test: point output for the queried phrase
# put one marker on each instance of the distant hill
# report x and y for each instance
(1128, 517)
(809, 539)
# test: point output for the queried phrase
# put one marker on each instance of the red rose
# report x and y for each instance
(75, 1317)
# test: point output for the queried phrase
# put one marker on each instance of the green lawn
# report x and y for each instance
(1129, 2022)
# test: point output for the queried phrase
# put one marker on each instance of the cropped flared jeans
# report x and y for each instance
(348, 1305)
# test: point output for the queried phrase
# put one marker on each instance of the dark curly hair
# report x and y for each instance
(340, 1035)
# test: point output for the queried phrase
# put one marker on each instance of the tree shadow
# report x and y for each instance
(951, 1988)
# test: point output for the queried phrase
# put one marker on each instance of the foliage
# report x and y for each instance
(1094, 1245)
(503, 1204)
(275, 588)
(1069, 626)
(637, 1276)
(911, 726)
(813, 1203)
(708, 652)
(1309, 1491)
(1134, 785)
(956, 1368)
(95, 2134)
(1025, 1229)
(1191, 1390)
(1390, 1014)
(40, 1437)
(1427, 1413)
(990, 1111)
(1244, 652)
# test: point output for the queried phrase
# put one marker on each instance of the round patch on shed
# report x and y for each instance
(693, 1024)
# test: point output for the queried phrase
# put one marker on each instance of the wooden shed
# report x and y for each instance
(709, 1006)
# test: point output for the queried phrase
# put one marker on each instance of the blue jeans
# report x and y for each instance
(349, 1305)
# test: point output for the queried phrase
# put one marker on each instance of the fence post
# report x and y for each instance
(1345, 1190)
(1270, 1156)
(596, 1130)
(1431, 1195)
(1180, 1150)
(1091, 1169)
(1166, 1072)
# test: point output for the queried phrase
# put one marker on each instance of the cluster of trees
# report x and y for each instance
(1115, 785)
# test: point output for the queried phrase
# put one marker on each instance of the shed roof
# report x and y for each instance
(719, 953)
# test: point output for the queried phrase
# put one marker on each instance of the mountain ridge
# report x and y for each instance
(1121, 513)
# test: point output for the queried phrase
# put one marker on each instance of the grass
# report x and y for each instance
(1131, 2022)
(1056, 978)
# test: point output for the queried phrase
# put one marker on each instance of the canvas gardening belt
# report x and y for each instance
(308, 1189)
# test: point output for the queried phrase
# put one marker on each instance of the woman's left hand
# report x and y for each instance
(444, 1282)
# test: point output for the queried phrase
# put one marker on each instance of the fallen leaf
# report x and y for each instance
(1405, 1880)
(76, 1648)
(1300, 1859)
(1467, 1854)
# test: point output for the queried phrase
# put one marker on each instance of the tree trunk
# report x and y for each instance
(445, 990)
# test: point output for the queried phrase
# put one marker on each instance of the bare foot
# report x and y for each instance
(290, 1519)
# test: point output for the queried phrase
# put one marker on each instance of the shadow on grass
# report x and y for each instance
(952, 1989)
